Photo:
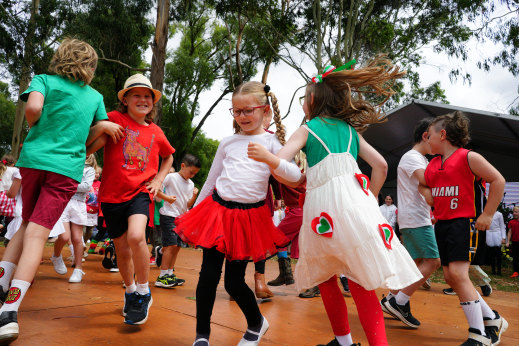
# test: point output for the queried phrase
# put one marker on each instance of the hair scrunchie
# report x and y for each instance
(330, 68)
(266, 88)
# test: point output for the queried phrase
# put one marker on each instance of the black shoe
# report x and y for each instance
(495, 328)
(449, 291)
(476, 339)
(8, 327)
(383, 305)
(345, 286)
(310, 293)
(403, 313)
(334, 342)
(3, 295)
(127, 302)
(138, 309)
(486, 290)
(179, 281)
(158, 255)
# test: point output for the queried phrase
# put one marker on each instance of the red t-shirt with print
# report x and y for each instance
(514, 226)
(133, 161)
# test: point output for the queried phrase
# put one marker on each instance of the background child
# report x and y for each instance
(231, 219)
(74, 219)
(92, 205)
(342, 223)
(131, 177)
(453, 178)
(513, 239)
(59, 111)
(177, 184)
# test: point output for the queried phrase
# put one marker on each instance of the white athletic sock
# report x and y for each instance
(15, 295)
(390, 295)
(163, 272)
(472, 310)
(131, 288)
(7, 268)
(71, 248)
(143, 289)
(485, 309)
(170, 271)
(402, 298)
(344, 340)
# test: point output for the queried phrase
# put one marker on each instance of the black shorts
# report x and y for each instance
(167, 226)
(117, 214)
(458, 241)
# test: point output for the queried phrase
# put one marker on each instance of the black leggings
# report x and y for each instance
(494, 256)
(234, 283)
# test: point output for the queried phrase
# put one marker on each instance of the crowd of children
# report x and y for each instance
(333, 223)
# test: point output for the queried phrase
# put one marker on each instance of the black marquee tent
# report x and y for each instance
(493, 135)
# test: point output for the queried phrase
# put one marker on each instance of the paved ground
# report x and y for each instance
(55, 312)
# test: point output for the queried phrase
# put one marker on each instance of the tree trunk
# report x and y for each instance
(158, 47)
(319, 43)
(24, 80)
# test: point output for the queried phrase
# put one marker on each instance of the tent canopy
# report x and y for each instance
(493, 135)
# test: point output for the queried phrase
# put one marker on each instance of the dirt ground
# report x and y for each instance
(55, 312)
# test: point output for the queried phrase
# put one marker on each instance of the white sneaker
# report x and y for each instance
(76, 276)
(59, 265)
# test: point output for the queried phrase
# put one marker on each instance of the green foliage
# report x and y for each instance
(204, 148)
(7, 113)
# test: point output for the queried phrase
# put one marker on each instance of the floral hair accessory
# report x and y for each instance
(4, 162)
(330, 68)
(266, 88)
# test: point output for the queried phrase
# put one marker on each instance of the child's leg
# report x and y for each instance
(11, 257)
(335, 306)
(210, 274)
(174, 253)
(63, 239)
(370, 314)
(136, 236)
(77, 240)
(124, 259)
(167, 257)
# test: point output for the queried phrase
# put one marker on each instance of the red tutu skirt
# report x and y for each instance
(243, 232)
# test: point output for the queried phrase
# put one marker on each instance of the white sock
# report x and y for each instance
(143, 289)
(170, 271)
(472, 310)
(485, 309)
(402, 298)
(8, 269)
(15, 295)
(344, 340)
(163, 272)
(390, 295)
(131, 288)
(71, 248)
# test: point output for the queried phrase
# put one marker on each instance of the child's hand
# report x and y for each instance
(195, 191)
(113, 130)
(483, 222)
(171, 199)
(153, 186)
(258, 152)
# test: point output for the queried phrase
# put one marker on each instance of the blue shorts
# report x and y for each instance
(420, 242)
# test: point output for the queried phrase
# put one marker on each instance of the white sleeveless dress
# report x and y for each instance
(355, 245)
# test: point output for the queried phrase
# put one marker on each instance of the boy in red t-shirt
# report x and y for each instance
(513, 235)
(130, 180)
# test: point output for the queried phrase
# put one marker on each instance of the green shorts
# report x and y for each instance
(420, 242)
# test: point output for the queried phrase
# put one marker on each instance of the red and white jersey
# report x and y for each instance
(453, 185)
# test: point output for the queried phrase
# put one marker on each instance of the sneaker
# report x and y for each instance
(251, 338)
(59, 265)
(77, 275)
(165, 281)
(427, 284)
(334, 342)
(8, 327)
(486, 290)
(310, 293)
(402, 312)
(495, 328)
(476, 339)
(201, 342)
(158, 255)
(383, 304)
(127, 300)
(178, 280)
(345, 286)
(114, 270)
(514, 275)
(449, 291)
(138, 308)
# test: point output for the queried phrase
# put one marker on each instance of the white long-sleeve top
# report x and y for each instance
(84, 186)
(237, 177)
(497, 231)
(389, 212)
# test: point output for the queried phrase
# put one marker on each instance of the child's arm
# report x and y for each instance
(425, 191)
(509, 235)
(107, 127)
(483, 169)
(15, 187)
(87, 181)
(154, 186)
(377, 162)
(97, 144)
(33, 107)
(167, 198)
(193, 199)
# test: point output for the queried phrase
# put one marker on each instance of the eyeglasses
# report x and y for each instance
(302, 100)
(246, 111)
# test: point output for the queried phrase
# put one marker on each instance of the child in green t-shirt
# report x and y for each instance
(60, 110)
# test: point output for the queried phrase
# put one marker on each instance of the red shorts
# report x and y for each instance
(45, 195)
(290, 226)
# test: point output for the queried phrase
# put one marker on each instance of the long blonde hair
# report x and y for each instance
(75, 60)
(91, 161)
(262, 93)
(340, 95)
(9, 161)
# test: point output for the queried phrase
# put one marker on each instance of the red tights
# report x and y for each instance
(368, 308)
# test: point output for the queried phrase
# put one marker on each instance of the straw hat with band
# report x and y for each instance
(139, 81)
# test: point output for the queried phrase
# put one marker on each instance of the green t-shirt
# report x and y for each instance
(56, 143)
(335, 134)
(156, 216)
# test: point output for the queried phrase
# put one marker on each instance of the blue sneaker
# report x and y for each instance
(127, 301)
(138, 308)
